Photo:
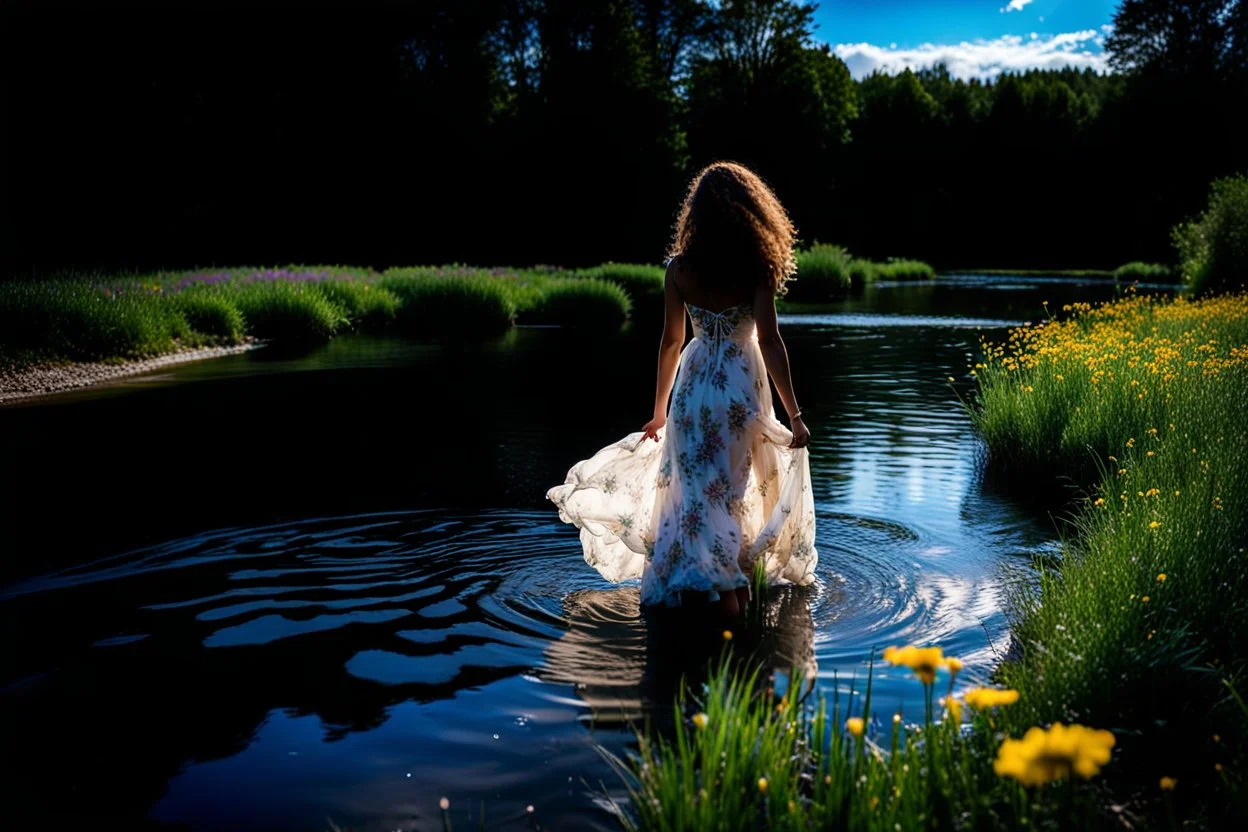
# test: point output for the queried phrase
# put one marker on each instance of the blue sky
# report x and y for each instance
(979, 38)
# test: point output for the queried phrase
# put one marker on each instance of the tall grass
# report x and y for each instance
(742, 757)
(1144, 273)
(287, 312)
(642, 283)
(1141, 400)
(80, 319)
(363, 304)
(584, 303)
(901, 269)
(447, 304)
(822, 274)
(211, 314)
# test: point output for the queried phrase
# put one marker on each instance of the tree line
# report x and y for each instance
(564, 131)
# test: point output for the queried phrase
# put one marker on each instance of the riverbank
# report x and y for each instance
(1133, 638)
(32, 381)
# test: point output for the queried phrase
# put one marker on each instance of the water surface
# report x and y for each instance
(270, 591)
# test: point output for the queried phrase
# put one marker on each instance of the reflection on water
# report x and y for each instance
(432, 630)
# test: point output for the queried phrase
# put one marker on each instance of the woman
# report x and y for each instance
(724, 486)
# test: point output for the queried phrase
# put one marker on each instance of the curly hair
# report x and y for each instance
(732, 229)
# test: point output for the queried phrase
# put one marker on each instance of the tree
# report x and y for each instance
(1191, 38)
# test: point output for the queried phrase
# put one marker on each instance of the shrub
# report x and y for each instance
(1143, 273)
(1213, 248)
(582, 303)
(898, 269)
(643, 283)
(285, 312)
(861, 272)
(364, 304)
(822, 274)
(211, 314)
(433, 303)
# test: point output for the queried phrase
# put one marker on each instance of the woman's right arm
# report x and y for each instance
(669, 351)
(776, 358)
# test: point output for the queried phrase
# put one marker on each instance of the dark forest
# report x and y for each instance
(562, 132)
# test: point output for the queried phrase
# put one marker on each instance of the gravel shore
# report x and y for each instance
(40, 380)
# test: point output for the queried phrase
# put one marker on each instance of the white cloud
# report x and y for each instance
(1015, 6)
(980, 58)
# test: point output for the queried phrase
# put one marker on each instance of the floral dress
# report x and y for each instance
(720, 489)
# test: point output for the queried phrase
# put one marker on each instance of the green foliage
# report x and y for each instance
(861, 272)
(1142, 402)
(466, 304)
(898, 269)
(589, 303)
(1213, 248)
(211, 314)
(81, 320)
(751, 759)
(1137, 272)
(285, 312)
(643, 283)
(363, 303)
(822, 274)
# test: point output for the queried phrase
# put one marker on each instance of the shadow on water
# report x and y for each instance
(329, 586)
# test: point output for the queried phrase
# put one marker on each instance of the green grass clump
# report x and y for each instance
(84, 320)
(1141, 401)
(742, 757)
(1213, 248)
(899, 269)
(462, 304)
(1144, 273)
(584, 303)
(822, 274)
(212, 315)
(643, 283)
(861, 272)
(292, 313)
(364, 304)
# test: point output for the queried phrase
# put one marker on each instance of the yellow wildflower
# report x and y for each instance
(983, 698)
(1154, 524)
(953, 706)
(1168, 783)
(1100, 501)
(1044, 756)
(727, 635)
(700, 720)
(954, 665)
(924, 661)
(1144, 600)
(854, 725)
(1161, 578)
(762, 785)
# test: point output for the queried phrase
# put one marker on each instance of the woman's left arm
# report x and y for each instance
(669, 350)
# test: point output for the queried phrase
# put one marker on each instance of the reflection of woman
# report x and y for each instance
(621, 663)
(725, 485)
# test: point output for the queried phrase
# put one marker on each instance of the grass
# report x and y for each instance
(740, 756)
(1145, 617)
(899, 269)
(471, 304)
(822, 274)
(588, 303)
(1138, 272)
(642, 283)
(97, 318)
(81, 320)
(828, 272)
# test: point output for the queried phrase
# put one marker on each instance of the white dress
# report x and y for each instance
(720, 489)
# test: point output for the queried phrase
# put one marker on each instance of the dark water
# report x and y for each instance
(268, 592)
